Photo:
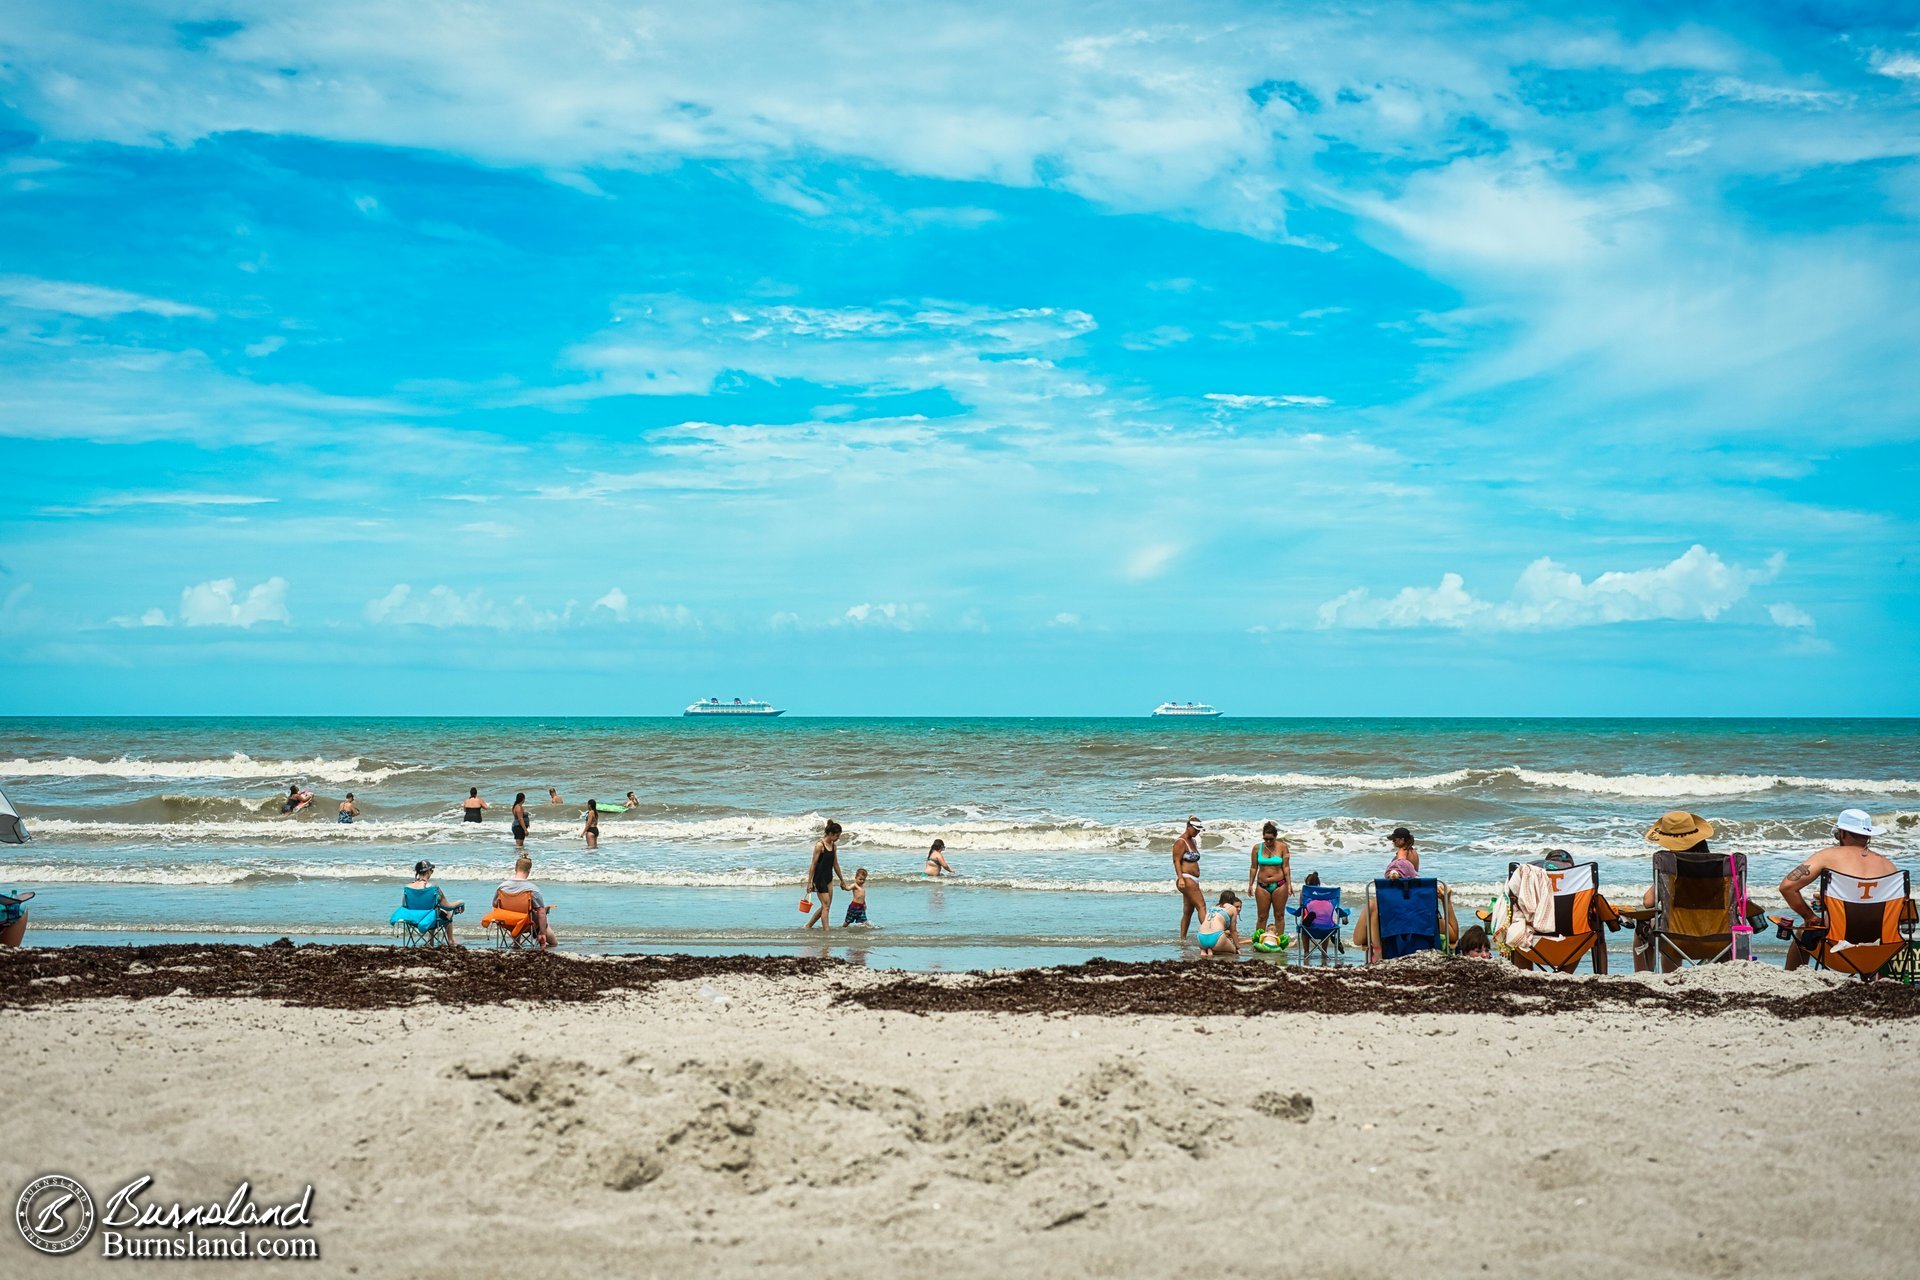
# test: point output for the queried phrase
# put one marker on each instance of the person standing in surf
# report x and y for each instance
(1270, 878)
(522, 822)
(822, 871)
(472, 807)
(348, 809)
(1186, 875)
(592, 830)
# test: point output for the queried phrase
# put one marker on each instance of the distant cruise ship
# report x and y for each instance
(738, 707)
(1185, 709)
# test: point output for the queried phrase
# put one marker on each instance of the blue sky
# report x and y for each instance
(494, 358)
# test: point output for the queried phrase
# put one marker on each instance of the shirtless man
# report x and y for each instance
(1849, 853)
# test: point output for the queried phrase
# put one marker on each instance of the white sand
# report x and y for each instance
(671, 1134)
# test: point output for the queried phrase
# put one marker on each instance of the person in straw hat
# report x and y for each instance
(1681, 832)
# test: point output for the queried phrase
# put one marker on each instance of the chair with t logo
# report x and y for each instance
(1558, 910)
(1867, 927)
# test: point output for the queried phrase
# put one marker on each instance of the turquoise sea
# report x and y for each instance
(164, 829)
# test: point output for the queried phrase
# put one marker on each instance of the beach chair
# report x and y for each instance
(510, 923)
(1579, 913)
(1406, 918)
(1319, 938)
(1696, 899)
(419, 918)
(1869, 925)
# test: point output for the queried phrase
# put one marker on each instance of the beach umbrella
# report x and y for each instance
(12, 830)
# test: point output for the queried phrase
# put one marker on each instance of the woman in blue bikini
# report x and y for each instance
(1186, 875)
(1219, 933)
(1270, 878)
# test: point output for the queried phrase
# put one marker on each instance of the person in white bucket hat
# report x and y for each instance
(1849, 854)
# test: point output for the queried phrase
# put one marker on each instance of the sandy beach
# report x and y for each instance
(684, 1116)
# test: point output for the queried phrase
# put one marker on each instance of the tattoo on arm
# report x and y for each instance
(1802, 872)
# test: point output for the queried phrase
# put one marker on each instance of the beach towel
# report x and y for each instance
(1533, 910)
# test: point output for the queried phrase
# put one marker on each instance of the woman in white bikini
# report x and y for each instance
(1186, 875)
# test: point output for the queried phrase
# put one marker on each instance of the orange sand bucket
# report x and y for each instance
(806, 905)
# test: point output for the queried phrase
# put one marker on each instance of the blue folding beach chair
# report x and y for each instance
(1319, 937)
(1406, 918)
(419, 919)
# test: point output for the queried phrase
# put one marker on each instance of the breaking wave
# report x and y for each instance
(1637, 785)
(237, 765)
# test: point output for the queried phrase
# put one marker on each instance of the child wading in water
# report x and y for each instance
(857, 905)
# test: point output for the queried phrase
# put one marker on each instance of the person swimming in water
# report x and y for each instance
(553, 797)
(1186, 874)
(348, 809)
(472, 806)
(633, 802)
(937, 864)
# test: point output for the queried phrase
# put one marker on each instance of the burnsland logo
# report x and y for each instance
(56, 1215)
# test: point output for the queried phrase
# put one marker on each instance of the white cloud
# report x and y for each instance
(220, 603)
(615, 602)
(442, 606)
(154, 618)
(899, 617)
(981, 355)
(1790, 615)
(266, 346)
(1065, 620)
(92, 301)
(120, 501)
(1228, 401)
(1695, 586)
(783, 620)
(1150, 562)
(1901, 66)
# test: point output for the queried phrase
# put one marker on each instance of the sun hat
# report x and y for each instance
(1680, 830)
(1857, 822)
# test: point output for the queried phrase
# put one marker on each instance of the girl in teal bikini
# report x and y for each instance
(1219, 932)
(1270, 878)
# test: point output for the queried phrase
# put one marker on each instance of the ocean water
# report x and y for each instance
(157, 829)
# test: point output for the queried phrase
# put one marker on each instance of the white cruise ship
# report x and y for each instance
(738, 707)
(1185, 709)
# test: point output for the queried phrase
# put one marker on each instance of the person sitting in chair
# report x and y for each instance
(522, 882)
(1849, 855)
(447, 909)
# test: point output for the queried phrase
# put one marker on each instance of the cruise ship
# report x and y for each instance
(1185, 709)
(738, 707)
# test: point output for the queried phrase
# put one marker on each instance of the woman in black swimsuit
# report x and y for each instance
(521, 822)
(472, 805)
(822, 872)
